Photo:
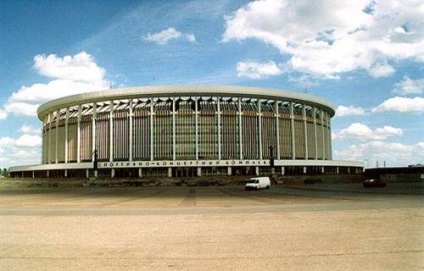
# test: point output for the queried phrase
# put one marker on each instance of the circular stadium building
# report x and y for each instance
(188, 130)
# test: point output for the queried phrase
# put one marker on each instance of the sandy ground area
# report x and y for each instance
(209, 228)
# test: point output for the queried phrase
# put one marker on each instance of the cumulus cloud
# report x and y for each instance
(363, 132)
(164, 36)
(3, 114)
(392, 154)
(26, 147)
(409, 86)
(69, 75)
(401, 104)
(27, 140)
(27, 129)
(343, 111)
(21, 108)
(329, 37)
(256, 70)
(78, 68)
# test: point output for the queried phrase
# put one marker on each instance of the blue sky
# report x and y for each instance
(366, 57)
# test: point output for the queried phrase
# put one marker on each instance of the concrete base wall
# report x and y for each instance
(402, 178)
(182, 181)
(357, 178)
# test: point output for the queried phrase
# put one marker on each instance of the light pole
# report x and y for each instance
(271, 158)
(95, 161)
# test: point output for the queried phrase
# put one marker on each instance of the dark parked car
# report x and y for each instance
(373, 183)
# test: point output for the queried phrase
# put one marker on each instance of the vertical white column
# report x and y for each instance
(151, 129)
(277, 126)
(174, 142)
(111, 117)
(260, 129)
(79, 134)
(49, 138)
(93, 130)
(323, 136)
(111, 113)
(305, 131)
(315, 132)
(66, 135)
(56, 147)
(292, 131)
(130, 131)
(196, 112)
(218, 99)
(44, 139)
(330, 146)
(240, 129)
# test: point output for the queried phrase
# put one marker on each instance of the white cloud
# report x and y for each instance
(22, 108)
(25, 149)
(78, 68)
(190, 37)
(342, 111)
(401, 104)
(392, 154)
(363, 132)
(381, 69)
(163, 37)
(6, 141)
(255, 70)
(3, 114)
(408, 86)
(27, 140)
(70, 75)
(329, 37)
(27, 129)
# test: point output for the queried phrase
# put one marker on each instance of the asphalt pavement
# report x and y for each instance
(316, 227)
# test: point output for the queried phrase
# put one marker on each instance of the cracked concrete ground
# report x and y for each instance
(209, 228)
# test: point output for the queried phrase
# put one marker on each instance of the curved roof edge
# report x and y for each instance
(179, 90)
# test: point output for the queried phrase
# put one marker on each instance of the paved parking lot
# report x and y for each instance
(211, 228)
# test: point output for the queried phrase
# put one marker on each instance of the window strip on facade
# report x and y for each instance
(121, 132)
(250, 130)
(229, 129)
(85, 138)
(52, 139)
(141, 130)
(72, 139)
(285, 131)
(208, 128)
(320, 136)
(60, 146)
(163, 126)
(299, 131)
(102, 132)
(185, 129)
(269, 129)
(310, 130)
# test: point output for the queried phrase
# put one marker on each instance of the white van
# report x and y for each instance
(257, 183)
